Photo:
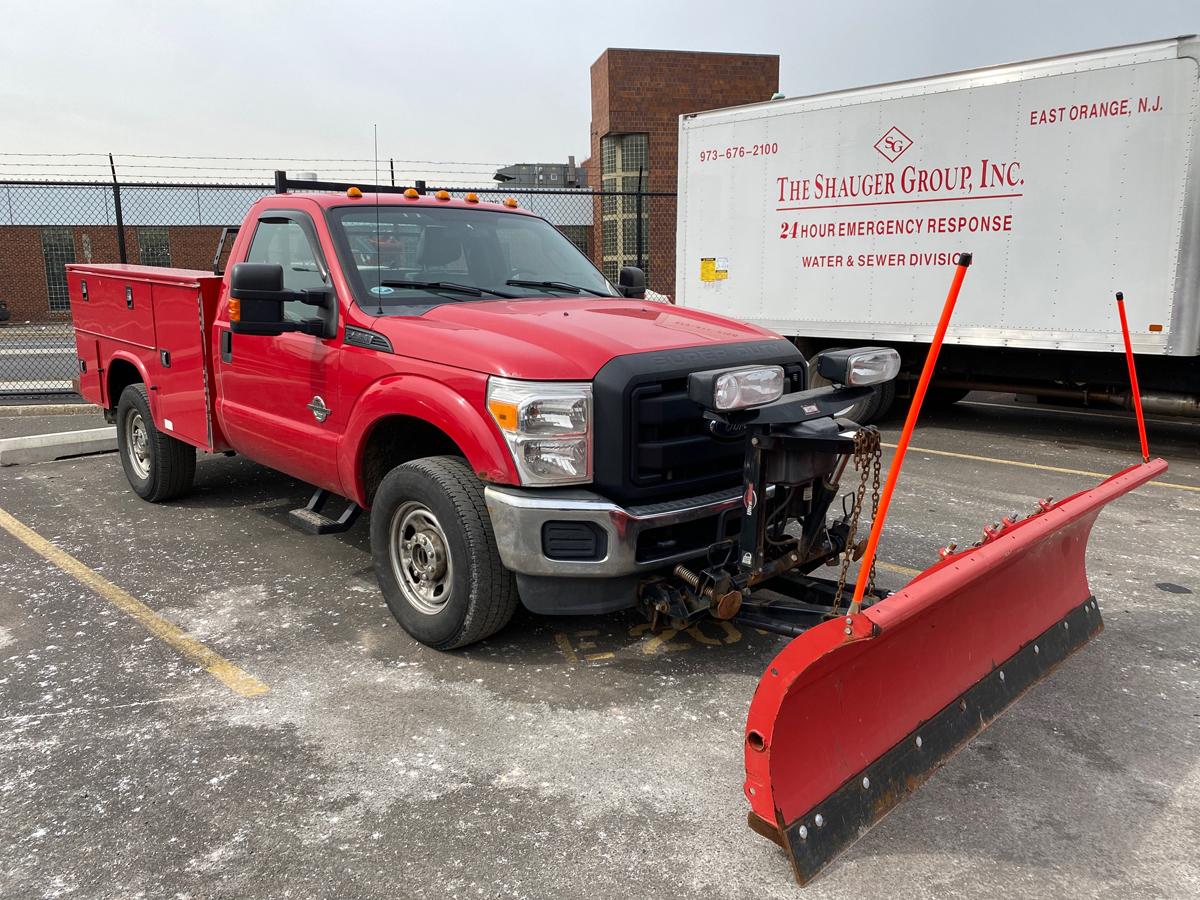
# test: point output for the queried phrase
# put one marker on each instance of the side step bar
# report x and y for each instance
(311, 520)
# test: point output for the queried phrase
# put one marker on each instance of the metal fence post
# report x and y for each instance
(117, 207)
(641, 261)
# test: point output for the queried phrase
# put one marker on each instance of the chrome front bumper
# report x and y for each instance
(518, 515)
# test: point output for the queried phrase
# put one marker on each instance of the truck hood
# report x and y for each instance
(563, 338)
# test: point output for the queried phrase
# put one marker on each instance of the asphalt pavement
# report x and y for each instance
(564, 757)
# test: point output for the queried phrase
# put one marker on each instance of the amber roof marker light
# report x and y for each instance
(510, 202)
(353, 192)
(412, 194)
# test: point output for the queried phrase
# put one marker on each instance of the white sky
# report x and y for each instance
(457, 80)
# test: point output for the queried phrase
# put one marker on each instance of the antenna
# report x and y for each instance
(378, 249)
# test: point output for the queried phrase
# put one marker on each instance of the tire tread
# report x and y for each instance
(172, 462)
(495, 587)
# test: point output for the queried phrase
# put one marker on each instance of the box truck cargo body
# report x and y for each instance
(834, 219)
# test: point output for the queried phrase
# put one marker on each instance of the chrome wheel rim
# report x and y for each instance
(420, 557)
(137, 444)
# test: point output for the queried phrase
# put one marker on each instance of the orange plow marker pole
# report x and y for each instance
(1133, 382)
(910, 422)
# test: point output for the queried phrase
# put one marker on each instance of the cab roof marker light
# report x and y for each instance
(412, 194)
(353, 192)
(510, 202)
(442, 195)
(472, 198)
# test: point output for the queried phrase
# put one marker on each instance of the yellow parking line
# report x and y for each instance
(223, 670)
(565, 648)
(899, 570)
(1029, 465)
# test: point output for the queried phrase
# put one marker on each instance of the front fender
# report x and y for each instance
(457, 411)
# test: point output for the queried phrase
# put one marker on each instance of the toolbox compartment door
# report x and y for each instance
(180, 371)
(119, 308)
(87, 351)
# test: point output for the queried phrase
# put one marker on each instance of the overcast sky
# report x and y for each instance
(460, 81)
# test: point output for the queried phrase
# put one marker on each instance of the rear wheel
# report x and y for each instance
(435, 554)
(158, 466)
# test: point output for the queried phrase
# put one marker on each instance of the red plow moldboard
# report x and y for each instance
(856, 713)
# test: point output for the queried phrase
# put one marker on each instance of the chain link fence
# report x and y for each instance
(46, 225)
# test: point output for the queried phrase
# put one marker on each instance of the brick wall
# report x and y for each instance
(647, 91)
(23, 268)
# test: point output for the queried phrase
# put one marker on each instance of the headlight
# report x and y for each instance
(548, 427)
(726, 389)
(859, 367)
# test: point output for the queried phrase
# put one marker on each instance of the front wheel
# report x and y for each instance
(158, 466)
(435, 554)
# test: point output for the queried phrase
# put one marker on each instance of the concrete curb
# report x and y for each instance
(45, 447)
(47, 409)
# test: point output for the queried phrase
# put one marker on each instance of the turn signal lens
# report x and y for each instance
(472, 198)
(353, 192)
(510, 202)
(442, 195)
(235, 310)
(412, 193)
(504, 413)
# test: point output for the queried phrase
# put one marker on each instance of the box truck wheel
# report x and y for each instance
(435, 554)
(158, 466)
(882, 400)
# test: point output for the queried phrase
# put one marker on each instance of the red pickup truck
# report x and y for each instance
(521, 429)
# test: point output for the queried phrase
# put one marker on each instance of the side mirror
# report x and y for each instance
(632, 283)
(256, 298)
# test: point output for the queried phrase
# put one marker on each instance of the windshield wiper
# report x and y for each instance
(555, 286)
(448, 286)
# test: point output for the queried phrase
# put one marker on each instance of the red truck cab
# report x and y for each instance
(521, 429)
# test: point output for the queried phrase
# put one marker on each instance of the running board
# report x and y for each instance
(311, 520)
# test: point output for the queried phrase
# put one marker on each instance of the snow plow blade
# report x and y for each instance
(856, 713)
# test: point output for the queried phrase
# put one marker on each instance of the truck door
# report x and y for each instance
(278, 397)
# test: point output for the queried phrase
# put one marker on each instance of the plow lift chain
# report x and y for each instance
(868, 460)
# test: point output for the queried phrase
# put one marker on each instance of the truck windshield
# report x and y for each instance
(420, 256)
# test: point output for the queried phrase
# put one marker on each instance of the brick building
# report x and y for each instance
(34, 283)
(44, 226)
(637, 99)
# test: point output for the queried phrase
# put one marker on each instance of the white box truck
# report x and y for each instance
(834, 219)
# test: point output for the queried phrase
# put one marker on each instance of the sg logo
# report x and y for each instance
(893, 144)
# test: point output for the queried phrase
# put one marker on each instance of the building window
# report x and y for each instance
(579, 235)
(623, 159)
(58, 249)
(154, 247)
